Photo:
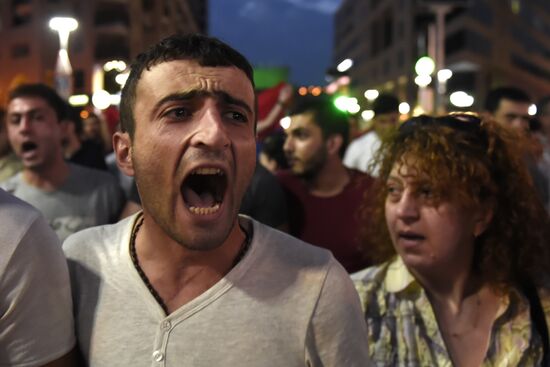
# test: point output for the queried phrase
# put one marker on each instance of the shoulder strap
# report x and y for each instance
(538, 318)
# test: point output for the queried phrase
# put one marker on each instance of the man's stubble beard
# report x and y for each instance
(315, 164)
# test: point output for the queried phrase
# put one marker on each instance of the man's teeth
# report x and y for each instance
(204, 211)
(207, 171)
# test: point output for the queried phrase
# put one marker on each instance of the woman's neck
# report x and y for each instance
(465, 307)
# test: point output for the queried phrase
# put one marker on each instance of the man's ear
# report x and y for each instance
(122, 144)
(66, 128)
(334, 143)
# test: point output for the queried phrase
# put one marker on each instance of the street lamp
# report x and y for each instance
(424, 67)
(344, 65)
(461, 99)
(63, 70)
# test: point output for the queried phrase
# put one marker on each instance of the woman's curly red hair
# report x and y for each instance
(477, 162)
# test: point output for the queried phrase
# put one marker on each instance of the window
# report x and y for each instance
(78, 80)
(21, 12)
(467, 40)
(20, 50)
(147, 5)
(401, 58)
(529, 67)
(376, 34)
(455, 42)
(388, 30)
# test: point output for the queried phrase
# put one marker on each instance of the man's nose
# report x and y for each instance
(25, 124)
(288, 145)
(211, 131)
(521, 123)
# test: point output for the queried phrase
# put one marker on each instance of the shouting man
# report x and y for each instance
(187, 281)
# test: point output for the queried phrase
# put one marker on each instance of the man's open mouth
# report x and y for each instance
(203, 190)
(28, 146)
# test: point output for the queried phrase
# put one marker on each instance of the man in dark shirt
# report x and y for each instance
(324, 197)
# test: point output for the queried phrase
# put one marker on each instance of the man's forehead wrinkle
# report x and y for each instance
(24, 109)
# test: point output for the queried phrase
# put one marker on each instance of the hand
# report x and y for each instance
(285, 94)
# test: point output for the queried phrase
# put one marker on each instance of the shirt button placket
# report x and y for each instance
(166, 325)
(158, 356)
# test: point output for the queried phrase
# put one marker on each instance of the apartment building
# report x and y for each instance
(487, 43)
(107, 30)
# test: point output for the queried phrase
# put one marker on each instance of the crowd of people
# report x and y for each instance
(206, 234)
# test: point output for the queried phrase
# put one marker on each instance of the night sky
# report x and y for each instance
(293, 33)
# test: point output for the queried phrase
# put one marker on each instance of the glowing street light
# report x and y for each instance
(79, 100)
(101, 99)
(443, 75)
(121, 78)
(63, 70)
(424, 66)
(404, 108)
(344, 65)
(461, 99)
(285, 122)
(341, 103)
(532, 110)
(117, 65)
(371, 94)
(423, 80)
(367, 115)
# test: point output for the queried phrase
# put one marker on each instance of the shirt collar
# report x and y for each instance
(398, 276)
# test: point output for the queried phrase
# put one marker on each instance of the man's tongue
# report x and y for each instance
(202, 200)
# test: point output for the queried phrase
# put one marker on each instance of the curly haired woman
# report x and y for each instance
(464, 248)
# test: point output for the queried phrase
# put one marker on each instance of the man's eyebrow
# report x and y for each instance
(176, 97)
(28, 112)
(522, 115)
(296, 130)
(229, 99)
(187, 96)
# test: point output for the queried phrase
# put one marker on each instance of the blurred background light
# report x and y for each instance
(461, 99)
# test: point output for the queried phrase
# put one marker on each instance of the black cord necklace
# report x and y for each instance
(133, 255)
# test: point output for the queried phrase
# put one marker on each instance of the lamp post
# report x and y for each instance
(424, 68)
(63, 70)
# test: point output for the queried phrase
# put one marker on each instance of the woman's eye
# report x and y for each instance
(393, 192)
(426, 192)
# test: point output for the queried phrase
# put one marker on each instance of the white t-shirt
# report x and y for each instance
(361, 151)
(36, 323)
(285, 303)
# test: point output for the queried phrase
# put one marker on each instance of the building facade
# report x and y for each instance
(487, 43)
(107, 30)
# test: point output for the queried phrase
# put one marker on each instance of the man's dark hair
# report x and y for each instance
(543, 106)
(331, 120)
(273, 148)
(73, 117)
(44, 92)
(496, 95)
(385, 103)
(206, 51)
